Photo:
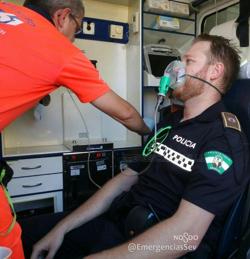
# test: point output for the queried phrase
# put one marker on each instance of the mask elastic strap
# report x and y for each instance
(206, 83)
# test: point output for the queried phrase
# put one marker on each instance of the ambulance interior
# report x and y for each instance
(125, 72)
(63, 130)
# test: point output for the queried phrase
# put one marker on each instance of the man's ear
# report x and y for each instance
(217, 71)
(60, 16)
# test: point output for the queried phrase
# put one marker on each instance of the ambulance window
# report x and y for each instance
(227, 14)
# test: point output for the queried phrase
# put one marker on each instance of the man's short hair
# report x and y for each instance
(51, 6)
(223, 51)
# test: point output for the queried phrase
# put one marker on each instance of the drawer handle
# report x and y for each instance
(31, 168)
(31, 186)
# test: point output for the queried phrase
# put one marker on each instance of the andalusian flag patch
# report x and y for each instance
(217, 161)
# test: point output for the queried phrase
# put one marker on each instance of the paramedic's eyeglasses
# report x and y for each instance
(78, 25)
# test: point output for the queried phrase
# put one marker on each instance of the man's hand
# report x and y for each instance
(50, 244)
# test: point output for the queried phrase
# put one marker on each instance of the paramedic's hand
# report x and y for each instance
(47, 247)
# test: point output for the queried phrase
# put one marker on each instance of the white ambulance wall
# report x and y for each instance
(119, 66)
(112, 67)
(111, 64)
(106, 11)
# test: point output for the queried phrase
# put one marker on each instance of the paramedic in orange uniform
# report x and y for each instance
(37, 57)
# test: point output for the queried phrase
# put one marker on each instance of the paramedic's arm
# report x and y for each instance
(92, 208)
(189, 219)
(119, 109)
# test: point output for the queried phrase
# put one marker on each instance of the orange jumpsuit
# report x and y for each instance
(36, 59)
(13, 239)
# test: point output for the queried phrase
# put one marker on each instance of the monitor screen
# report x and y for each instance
(158, 63)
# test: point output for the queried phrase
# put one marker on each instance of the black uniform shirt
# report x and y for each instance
(200, 161)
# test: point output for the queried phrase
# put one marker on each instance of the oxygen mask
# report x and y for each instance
(173, 77)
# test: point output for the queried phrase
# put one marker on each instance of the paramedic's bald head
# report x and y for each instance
(51, 6)
(66, 15)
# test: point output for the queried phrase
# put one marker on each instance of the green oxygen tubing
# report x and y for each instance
(173, 77)
(162, 134)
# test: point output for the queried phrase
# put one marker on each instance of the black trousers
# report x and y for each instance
(99, 234)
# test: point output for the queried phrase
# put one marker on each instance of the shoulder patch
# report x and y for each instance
(230, 121)
(217, 161)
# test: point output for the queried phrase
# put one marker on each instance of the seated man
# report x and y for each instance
(178, 203)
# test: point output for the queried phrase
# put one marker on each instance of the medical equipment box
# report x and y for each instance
(167, 23)
(167, 7)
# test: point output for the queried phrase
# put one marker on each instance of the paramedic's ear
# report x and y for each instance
(217, 71)
(60, 17)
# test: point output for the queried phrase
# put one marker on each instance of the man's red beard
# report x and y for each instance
(191, 88)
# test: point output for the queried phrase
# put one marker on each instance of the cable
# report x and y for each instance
(159, 101)
(89, 174)
(88, 139)
(202, 80)
(154, 212)
(158, 136)
(80, 113)
(123, 171)
(151, 146)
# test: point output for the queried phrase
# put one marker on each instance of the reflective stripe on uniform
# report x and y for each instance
(174, 157)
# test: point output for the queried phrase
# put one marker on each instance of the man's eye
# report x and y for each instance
(188, 61)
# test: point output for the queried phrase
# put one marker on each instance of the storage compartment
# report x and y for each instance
(37, 204)
(36, 166)
(35, 184)
(33, 208)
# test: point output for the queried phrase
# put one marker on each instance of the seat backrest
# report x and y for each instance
(237, 100)
(231, 232)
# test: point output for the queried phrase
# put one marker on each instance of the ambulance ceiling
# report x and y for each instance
(128, 2)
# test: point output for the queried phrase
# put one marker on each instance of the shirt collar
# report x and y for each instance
(210, 114)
